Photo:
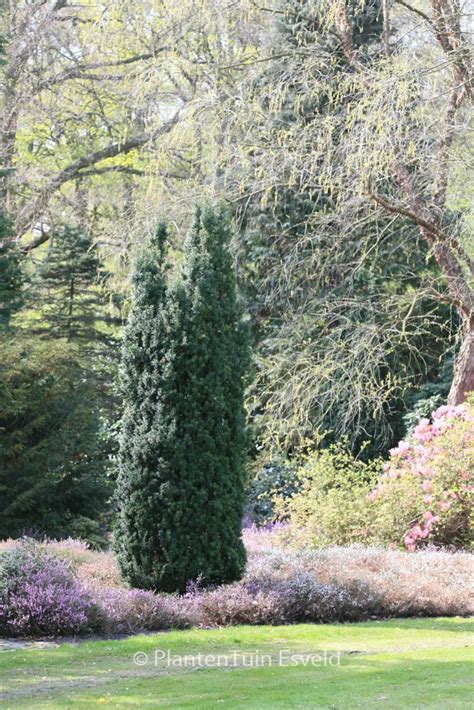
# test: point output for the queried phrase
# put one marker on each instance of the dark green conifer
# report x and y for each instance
(11, 275)
(72, 301)
(146, 434)
(210, 416)
(181, 476)
(53, 447)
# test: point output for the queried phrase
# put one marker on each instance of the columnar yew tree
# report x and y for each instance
(210, 426)
(181, 478)
(146, 423)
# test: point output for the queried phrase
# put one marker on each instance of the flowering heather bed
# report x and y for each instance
(63, 588)
(429, 582)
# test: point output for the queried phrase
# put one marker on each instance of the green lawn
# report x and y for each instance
(413, 663)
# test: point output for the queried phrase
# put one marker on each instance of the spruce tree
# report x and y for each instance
(11, 275)
(181, 475)
(72, 302)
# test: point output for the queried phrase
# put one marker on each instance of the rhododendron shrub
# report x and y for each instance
(424, 495)
(421, 495)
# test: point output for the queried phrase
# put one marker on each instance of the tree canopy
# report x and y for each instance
(337, 133)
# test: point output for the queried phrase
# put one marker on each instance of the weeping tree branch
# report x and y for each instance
(415, 10)
(405, 212)
(445, 24)
(431, 231)
(442, 245)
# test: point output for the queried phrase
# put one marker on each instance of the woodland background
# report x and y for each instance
(336, 133)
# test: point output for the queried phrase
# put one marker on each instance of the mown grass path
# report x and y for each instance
(410, 663)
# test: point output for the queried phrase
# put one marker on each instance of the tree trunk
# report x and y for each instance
(463, 380)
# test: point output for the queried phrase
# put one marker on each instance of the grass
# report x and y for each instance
(411, 663)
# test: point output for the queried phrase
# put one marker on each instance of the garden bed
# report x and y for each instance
(78, 591)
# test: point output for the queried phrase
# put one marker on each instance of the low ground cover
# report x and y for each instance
(63, 588)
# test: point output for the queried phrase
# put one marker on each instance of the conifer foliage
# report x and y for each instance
(181, 476)
(70, 279)
(53, 443)
(11, 274)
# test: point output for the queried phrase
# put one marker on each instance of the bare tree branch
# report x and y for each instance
(415, 10)
(33, 211)
(79, 71)
(405, 212)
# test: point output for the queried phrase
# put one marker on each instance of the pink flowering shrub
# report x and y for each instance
(424, 495)
(421, 496)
